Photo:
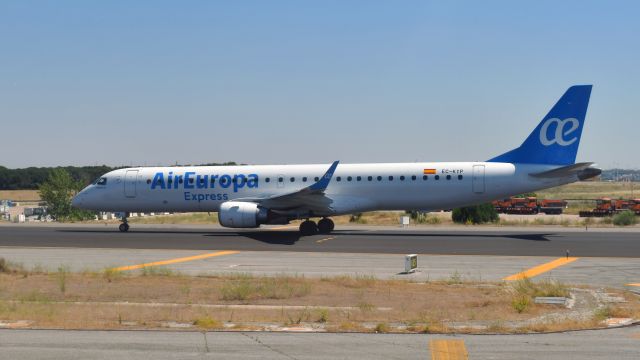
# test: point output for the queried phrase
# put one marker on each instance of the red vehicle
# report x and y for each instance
(552, 206)
(607, 207)
(634, 205)
(529, 206)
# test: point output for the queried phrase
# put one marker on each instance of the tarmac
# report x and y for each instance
(543, 241)
(597, 257)
(620, 344)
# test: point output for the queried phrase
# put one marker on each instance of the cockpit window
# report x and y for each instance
(101, 181)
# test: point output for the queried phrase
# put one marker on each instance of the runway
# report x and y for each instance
(60, 344)
(604, 258)
(505, 242)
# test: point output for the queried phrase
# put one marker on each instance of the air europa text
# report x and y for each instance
(191, 180)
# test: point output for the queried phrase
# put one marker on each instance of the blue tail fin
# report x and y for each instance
(555, 141)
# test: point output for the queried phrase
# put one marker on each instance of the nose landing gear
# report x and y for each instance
(124, 227)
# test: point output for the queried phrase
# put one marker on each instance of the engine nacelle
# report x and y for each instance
(237, 214)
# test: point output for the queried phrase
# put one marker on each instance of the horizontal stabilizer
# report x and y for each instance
(582, 170)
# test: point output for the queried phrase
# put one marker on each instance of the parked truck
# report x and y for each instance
(529, 206)
(633, 205)
(552, 206)
(607, 207)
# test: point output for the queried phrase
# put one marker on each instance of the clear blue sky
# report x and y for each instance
(157, 82)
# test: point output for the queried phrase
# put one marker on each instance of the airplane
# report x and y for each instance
(253, 195)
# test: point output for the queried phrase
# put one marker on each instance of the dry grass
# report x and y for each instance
(544, 288)
(392, 218)
(592, 190)
(20, 195)
(251, 289)
(186, 218)
(114, 300)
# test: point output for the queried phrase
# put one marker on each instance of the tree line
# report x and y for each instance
(33, 177)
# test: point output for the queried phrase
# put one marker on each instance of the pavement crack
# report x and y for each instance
(255, 339)
(206, 343)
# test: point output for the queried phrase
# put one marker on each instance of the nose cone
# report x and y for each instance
(77, 201)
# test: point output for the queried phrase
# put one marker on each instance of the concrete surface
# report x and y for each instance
(613, 272)
(54, 344)
(504, 241)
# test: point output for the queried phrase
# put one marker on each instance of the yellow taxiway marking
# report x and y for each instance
(323, 240)
(177, 260)
(537, 270)
(283, 227)
(634, 284)
(448, 349)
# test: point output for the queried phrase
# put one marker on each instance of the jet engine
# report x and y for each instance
(237, 214)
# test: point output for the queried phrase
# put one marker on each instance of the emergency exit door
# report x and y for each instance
(478, 179)
(130, 180)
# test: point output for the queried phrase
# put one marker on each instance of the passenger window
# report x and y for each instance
(148, 181)
(292, 179)
(413, 177)
(448, 177)
(349, 178)
(181, 180)
(402, 178)
(304, 179)
(359, 178)
(369, 178)
(102, 181)
(190, 181)
(437, 177)
(267, 180)
(424, 177)
(338, 178)
(316, 179)
(390, 178)
(379, 178)
(280, 179)
(459, 177)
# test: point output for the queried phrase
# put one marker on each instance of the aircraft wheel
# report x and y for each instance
(325, 226)
(124, 227)
(308, 228)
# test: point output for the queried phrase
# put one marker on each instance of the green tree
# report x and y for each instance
(57, 191)
(478, 214)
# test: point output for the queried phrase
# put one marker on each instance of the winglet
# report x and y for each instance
(322, 184)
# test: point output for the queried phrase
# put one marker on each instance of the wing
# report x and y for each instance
(310, 198)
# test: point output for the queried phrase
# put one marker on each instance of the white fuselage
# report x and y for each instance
(353, 188)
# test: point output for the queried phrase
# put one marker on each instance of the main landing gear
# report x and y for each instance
(124, 227)
(324, 226)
